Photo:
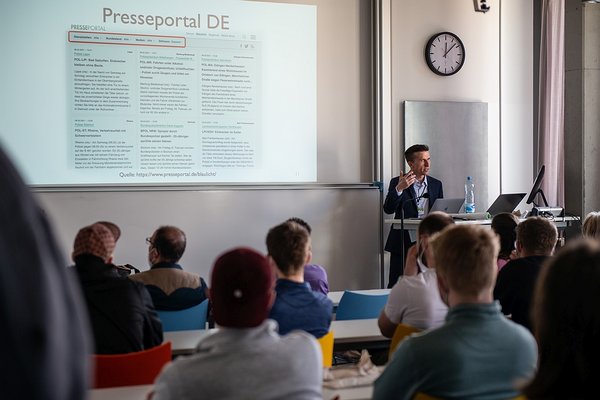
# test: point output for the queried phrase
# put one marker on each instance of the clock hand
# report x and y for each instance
(447, 51)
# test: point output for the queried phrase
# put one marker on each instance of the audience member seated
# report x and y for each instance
(314, 274)
(170, 287)
(415, 300)
(505, 226)
(478, 353)
(296, 305)
(566, 321)
(121, 312)
(246, 358)
(123, 270)
(45, 337)
(591, 226)
(536, 238)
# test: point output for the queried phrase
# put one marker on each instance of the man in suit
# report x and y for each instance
(407, 192)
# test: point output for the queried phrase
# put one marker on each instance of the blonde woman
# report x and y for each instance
(591, 226)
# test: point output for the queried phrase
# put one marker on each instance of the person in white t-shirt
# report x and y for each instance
(415, 300)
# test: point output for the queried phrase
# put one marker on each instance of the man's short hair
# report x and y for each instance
(409, 154)
(434, 222)
(465, 256)
(287, 244)
(301, 222)
(241, 288)
(170, 243)
(537, 235)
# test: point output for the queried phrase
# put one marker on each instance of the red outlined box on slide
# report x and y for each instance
(126, 39)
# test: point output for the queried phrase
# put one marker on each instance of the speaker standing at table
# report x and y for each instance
(414, 192)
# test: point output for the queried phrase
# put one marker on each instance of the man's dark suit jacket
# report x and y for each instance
(392, 206)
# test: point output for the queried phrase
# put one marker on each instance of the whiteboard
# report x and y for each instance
(457, 136)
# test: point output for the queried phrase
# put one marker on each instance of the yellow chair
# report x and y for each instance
(402, 331)
(326, 343)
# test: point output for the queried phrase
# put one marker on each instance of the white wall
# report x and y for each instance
(498, 71)
(517, 113)
(345, 222)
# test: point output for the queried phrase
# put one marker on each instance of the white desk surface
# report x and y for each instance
(352, 331)
(121, 393)
(413, 223)
(336, 296)
(185, 342)
(141, 393)
(356, 331)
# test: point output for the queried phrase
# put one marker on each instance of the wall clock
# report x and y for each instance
(445, 53)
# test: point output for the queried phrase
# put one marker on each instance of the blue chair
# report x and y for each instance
(360, 306)
(185, 320)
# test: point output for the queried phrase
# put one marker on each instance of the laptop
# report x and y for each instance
(505, 203)
(449, 206)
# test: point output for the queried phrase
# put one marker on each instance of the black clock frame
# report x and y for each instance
(428, 59)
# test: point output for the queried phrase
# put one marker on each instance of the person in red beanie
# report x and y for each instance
(246, 358)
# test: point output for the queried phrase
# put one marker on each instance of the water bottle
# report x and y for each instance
(469, 195)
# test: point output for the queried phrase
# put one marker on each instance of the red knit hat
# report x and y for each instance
(241, 288)
(96, 240)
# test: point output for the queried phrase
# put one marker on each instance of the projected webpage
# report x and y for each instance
(155, 97)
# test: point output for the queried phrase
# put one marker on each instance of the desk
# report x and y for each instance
(357, 331)
(411, 224)
(141, 393)
(185, 342)
(354, 393)
(121, 393)
(346, 333)
(336, 296)
(358, 334)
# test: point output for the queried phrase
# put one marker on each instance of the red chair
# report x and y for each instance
(139, 368)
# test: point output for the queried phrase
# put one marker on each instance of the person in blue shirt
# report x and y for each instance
(296, 305)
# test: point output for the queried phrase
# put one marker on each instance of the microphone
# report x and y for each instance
(423, 195)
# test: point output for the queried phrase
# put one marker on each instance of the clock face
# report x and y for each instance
(445, 53)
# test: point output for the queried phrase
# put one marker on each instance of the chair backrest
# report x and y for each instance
(402, 331)
(186, 319)
(139, 368)
(423, 396)
(326, 343)
(360, 306)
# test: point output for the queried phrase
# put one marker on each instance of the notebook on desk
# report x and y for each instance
(449, 206)
(505, 203)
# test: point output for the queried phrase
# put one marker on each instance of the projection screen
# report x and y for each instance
(154, 92)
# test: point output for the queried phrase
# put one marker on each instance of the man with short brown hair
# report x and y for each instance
(296, 305)
(536, 238)
(477, 353)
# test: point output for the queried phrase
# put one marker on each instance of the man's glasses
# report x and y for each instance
(149, 241)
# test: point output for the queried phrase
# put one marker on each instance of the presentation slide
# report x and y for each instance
(152, 92)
